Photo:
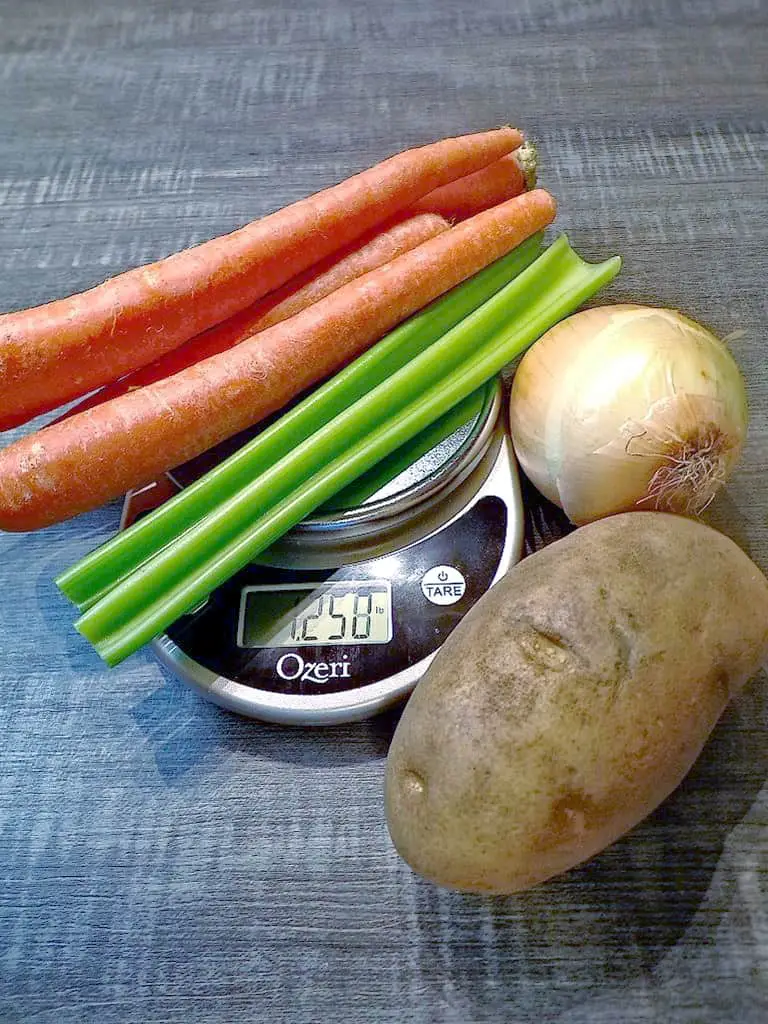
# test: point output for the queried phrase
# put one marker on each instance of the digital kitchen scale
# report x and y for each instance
(342, 616)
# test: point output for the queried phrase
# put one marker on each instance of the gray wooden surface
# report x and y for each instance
(161, 860)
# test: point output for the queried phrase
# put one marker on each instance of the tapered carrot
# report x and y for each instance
(78, 464)
(66, 348)
(476, 192)
(298, 293)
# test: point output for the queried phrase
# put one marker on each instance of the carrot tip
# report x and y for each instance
(528, 160)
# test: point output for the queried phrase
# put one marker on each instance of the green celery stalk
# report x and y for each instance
(385, 471)
(183, 575)
(99, 571)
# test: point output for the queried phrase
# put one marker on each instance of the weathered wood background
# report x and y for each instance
(161, 860)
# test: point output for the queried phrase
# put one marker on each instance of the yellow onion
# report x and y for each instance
(628, 407)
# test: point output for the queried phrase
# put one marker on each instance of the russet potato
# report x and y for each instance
(572, 700)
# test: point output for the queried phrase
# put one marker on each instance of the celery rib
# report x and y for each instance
(183, 574)
(398, 461)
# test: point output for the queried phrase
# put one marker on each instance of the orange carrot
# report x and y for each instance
(298, 293)
(66, 348)
(479, 191)
(77, 464)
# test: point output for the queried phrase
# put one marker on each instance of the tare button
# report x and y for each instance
(443, 584)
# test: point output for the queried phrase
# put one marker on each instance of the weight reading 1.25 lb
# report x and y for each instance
(304, 614)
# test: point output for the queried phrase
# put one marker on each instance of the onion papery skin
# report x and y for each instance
(624, 407)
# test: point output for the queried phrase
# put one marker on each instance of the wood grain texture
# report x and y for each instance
(164, 861)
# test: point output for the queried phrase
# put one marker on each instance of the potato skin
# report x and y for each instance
(572, 700)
